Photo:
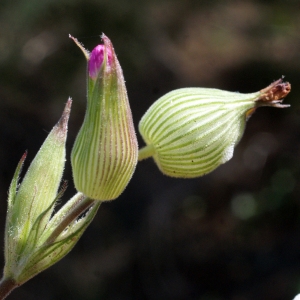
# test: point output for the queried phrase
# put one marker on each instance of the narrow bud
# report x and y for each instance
(191, 131)
(36, 237)
(34, 198)
(41, 182)
(105, 152)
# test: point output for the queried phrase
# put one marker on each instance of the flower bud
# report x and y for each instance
(105, 152)
(96, 60)
(191, 131)
(36, 236)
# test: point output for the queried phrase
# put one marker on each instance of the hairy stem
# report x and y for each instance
(6, 287)
(79, 208)
(146, 152)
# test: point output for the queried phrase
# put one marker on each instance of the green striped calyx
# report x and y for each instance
(191, 131)
(105, 152)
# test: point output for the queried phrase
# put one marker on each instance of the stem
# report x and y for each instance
(79, 208)
(146, 152)
(6, 287)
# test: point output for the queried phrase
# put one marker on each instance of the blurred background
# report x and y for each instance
(233, 234)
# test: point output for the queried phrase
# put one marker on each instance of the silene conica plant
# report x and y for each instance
(189, 132)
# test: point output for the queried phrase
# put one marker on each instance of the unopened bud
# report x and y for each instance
(105, 152)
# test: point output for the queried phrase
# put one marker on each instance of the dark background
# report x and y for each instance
(233, 234)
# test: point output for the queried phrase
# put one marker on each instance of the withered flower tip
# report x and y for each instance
(274, 94)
